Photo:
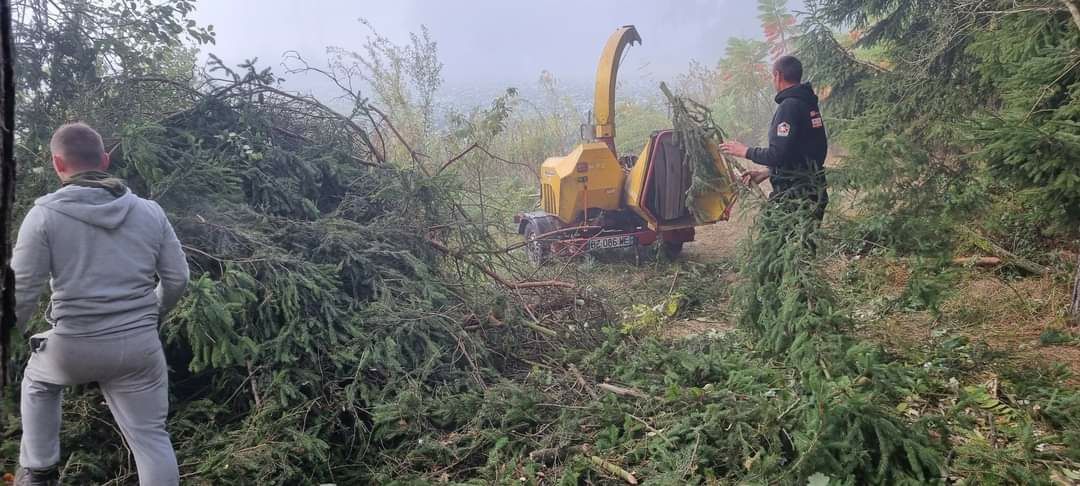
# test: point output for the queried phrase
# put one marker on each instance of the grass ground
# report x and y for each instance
(998, 339)
(1011, 314)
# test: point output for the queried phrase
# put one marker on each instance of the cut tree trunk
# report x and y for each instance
(7, 184)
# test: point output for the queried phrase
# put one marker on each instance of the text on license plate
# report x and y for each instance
(612, 242)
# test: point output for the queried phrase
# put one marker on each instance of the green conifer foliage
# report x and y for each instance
(846, 429)
(945, 107)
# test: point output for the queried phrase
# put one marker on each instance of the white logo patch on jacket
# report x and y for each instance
(815, 120)
(783, 129)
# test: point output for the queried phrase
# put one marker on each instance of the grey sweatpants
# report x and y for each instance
(130, 368)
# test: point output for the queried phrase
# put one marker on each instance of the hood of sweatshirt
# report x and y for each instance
(91, 205)
(803, 92)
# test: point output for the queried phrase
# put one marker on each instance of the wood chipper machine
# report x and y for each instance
(592, 199)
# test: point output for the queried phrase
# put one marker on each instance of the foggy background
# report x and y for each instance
(488, 45)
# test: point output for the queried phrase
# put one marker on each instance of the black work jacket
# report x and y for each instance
(797, 145)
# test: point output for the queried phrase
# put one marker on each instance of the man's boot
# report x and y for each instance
(37, 477)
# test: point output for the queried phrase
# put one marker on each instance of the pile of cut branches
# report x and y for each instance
(332, 325)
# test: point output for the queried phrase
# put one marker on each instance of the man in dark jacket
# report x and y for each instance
(797, 147)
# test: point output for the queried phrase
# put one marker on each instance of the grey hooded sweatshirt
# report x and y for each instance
(102, 253)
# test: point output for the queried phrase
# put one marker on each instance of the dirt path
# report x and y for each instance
(713, 243)
(719, 241)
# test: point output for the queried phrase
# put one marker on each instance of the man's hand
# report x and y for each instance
(735, 148)
(754, 177)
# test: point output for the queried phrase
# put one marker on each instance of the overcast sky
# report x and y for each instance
(489, 41)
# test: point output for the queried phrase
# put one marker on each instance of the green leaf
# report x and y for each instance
(818, 479)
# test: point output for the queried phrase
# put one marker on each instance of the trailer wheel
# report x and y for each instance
(671, 249)
(536, 251)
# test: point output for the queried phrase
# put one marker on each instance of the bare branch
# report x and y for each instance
(412, 153)
(495, 276)
(1074, 9)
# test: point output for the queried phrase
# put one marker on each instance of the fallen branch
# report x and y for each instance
(988, 246)
(581, 381)
(659, 433)
(542, 237)
(552, 454)
(1074, 9)
(977, 261)
(456, 158)
(412, 153)
(754, 188)
(623, 391)
(536, 322)
(1074, 308)
(312, 102)
(303, 138)
(613, 469)
(254, 390)
(531, 169)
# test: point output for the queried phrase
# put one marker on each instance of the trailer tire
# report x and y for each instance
(537, 252)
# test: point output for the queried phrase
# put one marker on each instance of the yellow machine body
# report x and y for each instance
(590, 177)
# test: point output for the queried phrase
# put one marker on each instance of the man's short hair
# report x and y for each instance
(790, 69)
(79, 145)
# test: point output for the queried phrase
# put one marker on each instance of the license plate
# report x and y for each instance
(612, 242)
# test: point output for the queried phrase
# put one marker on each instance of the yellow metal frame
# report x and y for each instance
(606, 76)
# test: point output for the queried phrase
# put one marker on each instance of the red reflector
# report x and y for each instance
(583, 167)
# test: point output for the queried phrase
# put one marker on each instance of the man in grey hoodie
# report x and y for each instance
(115, 268)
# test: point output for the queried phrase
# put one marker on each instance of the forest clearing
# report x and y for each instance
(385, 288)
